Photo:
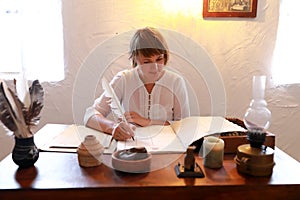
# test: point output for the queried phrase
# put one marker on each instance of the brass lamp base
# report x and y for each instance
(254, 161)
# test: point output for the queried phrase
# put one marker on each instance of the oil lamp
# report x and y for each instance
(255, 158)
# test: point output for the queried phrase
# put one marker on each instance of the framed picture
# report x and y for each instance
(229, 8)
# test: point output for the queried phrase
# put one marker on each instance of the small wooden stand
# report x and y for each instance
(190, 168)
(182, 173)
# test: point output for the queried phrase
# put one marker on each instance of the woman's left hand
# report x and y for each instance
(133, 117)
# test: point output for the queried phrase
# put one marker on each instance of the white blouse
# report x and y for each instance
(168, 100)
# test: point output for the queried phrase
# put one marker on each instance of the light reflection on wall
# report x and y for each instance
(183, 7)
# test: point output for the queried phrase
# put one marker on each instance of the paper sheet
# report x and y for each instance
(192, 129)
(156, 139)
(71, 137)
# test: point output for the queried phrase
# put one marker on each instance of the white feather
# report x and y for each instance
(115, 105)
(10, 99)
(23, 90)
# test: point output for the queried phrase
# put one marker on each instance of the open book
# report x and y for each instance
(178, 136)
(174, 138)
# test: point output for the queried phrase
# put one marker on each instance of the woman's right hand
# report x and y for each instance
(123, 131)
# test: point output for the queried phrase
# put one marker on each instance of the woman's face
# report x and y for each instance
(150, 69)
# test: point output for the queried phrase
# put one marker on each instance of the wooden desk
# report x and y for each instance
(58, 176)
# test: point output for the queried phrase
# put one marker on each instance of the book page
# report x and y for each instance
(69, 139)
(192, 129)
(156, 139)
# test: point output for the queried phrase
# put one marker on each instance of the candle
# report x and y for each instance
(213, 152)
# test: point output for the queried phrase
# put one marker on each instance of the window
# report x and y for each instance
(286, 62)
(31, 39)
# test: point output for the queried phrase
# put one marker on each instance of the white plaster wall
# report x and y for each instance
(240, 48)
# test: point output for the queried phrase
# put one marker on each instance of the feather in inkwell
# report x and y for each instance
(20, 109)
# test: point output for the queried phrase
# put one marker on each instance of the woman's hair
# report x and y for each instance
(148, 42)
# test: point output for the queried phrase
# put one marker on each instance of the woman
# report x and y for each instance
(149, 93)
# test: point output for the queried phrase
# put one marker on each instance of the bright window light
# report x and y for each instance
(286, 62)
(32, 39)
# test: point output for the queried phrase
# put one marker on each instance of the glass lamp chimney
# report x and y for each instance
(257, 117)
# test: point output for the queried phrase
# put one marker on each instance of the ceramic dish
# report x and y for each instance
(131, 165)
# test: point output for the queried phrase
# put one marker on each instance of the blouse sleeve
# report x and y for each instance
(101, 104)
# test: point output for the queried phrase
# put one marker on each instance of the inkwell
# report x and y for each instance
(190, 169)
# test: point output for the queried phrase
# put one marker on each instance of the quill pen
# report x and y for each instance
(36, 92)
(22, 90)
(16, 115)
(12, 112)
(115, 105)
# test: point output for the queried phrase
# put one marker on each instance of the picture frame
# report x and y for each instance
(229, 8)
